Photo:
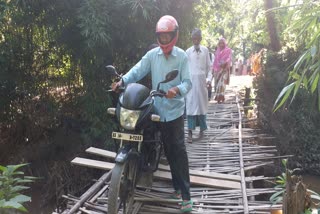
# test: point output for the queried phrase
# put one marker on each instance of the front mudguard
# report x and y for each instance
(125, 153)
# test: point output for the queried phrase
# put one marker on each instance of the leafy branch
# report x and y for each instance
(12, 183)
(306, 71)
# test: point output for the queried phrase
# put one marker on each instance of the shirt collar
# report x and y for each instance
(194, 49)
(173, 52)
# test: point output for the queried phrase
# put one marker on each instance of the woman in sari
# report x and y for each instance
(221, 69)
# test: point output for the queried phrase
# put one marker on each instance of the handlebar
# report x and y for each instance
(119, 90)
(159, 93)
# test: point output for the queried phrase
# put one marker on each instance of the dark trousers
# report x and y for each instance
(173, 140)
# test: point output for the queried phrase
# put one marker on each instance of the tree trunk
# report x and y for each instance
(272, 26)
(295, 198)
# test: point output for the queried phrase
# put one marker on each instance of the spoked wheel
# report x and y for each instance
(121, 193)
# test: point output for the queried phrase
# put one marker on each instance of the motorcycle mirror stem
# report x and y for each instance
(112, 71)
(169, 77)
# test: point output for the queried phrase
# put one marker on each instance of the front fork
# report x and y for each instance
(129, 156)
(127, 150)
(139, 145)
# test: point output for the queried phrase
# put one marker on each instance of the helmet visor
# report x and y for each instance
(165, 38)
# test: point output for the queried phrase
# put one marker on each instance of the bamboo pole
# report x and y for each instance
(93, 189)
(243, 181)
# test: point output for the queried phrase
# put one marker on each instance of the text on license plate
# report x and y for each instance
(125, 136)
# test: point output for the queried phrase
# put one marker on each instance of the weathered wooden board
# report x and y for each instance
(210, 182)
(214, 175)
(92, 163)
(202, 181)
(101, 152)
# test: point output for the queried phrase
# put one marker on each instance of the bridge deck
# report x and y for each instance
(220, 167)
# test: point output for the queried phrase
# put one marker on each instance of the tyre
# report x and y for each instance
(122, 185)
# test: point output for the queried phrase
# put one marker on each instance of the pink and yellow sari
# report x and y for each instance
(221, 68)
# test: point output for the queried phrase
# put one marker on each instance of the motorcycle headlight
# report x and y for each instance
(129, 118)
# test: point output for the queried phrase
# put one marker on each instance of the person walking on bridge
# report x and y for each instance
(221, 68)
(201, 75)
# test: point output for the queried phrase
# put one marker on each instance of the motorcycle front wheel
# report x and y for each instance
(122, 186)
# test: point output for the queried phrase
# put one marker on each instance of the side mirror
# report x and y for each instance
(169, 77)
(112, 70)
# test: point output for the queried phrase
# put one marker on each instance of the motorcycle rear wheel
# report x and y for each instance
(122, 185)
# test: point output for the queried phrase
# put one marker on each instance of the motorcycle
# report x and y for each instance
(139, 138)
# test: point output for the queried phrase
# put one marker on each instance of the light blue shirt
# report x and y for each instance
(155, 62)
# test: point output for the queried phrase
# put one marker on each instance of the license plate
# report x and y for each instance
(129, 137)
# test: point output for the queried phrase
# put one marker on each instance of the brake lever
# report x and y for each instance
(118, 90)
(162, 92)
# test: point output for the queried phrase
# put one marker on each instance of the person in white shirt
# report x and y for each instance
(197, 97)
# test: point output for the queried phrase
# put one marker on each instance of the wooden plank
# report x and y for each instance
(108, 154)
(213, 175)
(92, 163)
(161, 174)
(201, 180)
(101, 152)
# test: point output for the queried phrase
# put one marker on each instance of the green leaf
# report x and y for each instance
(298, 84)
(305, 82)
(284, 94)
(25, 181)
(280, 186)
(281, 182)
(274, 196)
(308, 211)
(299, 62)
(19, 188)
(14, 205)
(319, 96)
(31, 177)
(279, 199)
(2, 168)
(13, 168)
(315, 83)
(313, 51)
(284, 162)
(21, 199)
(2, 203)
(18, 173)
(294, 75)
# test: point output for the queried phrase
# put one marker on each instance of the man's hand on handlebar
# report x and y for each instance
(172, 92)
(116, 85)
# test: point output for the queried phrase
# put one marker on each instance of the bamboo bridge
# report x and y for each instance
(220, 170)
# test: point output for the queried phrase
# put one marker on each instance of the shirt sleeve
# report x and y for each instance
(186, 84)
(137, 72)
(208, 67)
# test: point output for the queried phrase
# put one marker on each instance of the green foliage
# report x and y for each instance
(93, 106)
(94, 22)
(281, 181)
(296, 128)
(306, 70)
(52, 56)
(12, 183)
(241, 24)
